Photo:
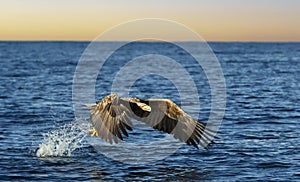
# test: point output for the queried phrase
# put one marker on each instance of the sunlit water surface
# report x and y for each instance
(42, 139)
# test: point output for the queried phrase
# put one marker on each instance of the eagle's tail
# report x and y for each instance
(90, 106)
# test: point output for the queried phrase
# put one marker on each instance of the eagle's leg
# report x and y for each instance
(94, 132)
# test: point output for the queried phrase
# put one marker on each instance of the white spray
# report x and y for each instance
(64, 140)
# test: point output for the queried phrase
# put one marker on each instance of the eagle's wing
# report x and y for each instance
(110, 119)
(166, 116)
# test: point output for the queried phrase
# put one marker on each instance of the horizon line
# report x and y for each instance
(221, 41)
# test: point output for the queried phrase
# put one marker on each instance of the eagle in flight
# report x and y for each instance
(111, 118)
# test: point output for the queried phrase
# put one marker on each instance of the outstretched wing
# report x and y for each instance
(110, 119)
(166, 116)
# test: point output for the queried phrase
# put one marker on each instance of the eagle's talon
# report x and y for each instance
(93, 132)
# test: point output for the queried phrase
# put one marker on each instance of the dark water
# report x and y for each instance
(259, 137)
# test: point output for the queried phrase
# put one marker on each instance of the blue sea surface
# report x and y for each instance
(258, 139)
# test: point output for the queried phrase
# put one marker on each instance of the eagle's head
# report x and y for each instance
(114, 98)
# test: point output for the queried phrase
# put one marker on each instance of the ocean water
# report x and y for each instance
(258, 139)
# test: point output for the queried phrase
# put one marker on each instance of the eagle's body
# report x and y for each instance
(111, 118)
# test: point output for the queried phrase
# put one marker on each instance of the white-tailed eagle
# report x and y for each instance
(111, 118)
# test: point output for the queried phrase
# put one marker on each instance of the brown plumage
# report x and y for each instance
(111, 118)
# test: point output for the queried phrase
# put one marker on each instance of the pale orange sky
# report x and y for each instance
(214, 20)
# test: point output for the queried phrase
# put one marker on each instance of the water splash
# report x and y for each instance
(64, 140)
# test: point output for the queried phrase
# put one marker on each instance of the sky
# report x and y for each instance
(214, 20)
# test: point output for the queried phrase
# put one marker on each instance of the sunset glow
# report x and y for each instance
(214, 20)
